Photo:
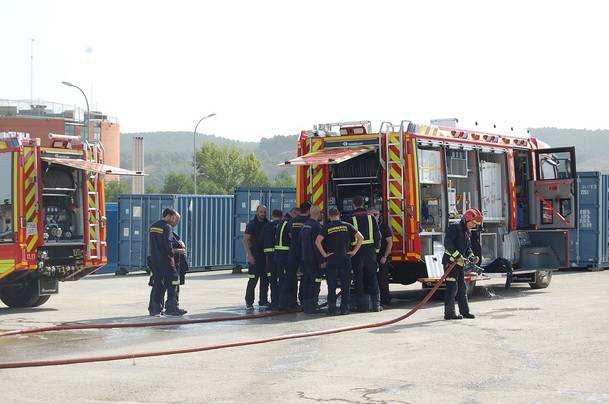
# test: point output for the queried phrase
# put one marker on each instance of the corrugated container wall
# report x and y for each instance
(111, 239)
(205, 228)
(246, 202)
(589, 242)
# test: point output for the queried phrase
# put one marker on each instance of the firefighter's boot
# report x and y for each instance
(376, 303)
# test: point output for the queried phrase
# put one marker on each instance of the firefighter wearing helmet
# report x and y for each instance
(458, 249)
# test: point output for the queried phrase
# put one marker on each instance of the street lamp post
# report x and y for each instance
(194, 150)
(86, 132)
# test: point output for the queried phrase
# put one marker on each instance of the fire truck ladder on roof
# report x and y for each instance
(394, 152)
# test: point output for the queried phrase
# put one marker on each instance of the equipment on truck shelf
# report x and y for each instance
(424, 177)
(53, 224)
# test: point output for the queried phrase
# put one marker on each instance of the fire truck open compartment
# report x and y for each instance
(360, 175)
(63, 204)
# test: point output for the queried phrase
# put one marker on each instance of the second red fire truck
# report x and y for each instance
(424, 177)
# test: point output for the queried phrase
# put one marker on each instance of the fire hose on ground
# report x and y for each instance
(107, 358)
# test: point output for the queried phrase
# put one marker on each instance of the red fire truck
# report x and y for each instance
(52, 214)
(423, 177)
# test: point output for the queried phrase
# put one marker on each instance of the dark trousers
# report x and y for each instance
(281, 266)
(338, 268)
(162, 284)
(255, 272)
(383, 279)
(289, 286)
(364, 276)
(455, 287)
(272, 273)
(310, 282)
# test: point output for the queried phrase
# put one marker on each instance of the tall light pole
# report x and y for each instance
(194, 149)
(86, 132)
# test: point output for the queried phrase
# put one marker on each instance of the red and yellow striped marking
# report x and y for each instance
(30, 198)
(316, 174)
(395, 189)
(92, 216)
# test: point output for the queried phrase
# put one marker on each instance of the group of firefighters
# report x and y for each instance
(291, 254)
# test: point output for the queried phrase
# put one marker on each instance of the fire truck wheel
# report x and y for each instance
(25, 296)
(542, 280)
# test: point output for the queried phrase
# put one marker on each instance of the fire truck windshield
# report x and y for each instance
(6, 198)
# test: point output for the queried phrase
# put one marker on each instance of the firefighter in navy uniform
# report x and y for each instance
(383, 258)
(364, 262)
(166, 278)
(268, 238)
(338, 237)
(181, 264)
(311, 262)
(281, 256)
(289, 288)
(458, 249)
(253, 243)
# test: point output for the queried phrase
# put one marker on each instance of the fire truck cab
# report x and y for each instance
(52, 214)
(424, 177)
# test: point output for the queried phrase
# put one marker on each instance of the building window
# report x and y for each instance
(6, 198)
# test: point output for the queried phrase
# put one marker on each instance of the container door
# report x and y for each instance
(553, 197)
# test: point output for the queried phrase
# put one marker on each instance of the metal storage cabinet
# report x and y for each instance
(589, 243)
(247, 200)
(111, 239)
(205, 228)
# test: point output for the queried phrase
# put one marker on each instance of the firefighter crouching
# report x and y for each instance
(337, 237)
(310, 263)
(458, 249)
(272, 272)
(256, 269)
(166, 278)
(364, 262)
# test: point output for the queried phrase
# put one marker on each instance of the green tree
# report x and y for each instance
(151, 189)
(113, 189)
(221, 168)
(177, 183)
(283, 179)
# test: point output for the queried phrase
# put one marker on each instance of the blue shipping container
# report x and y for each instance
(589, 243)
(246, 202)
(205, 228)
(111, 239)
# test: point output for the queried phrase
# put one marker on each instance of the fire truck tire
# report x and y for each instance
(542, 280)
(26, 296)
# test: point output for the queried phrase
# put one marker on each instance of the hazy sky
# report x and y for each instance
(275, 67)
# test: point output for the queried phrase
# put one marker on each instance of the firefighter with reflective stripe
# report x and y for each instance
(166, 278)
(256, 269)
(268, 239)
(311, 262)
(281, 254)
(334, 243)
(383, 257)
(458, 249)
(289, 288)
(364, 262)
